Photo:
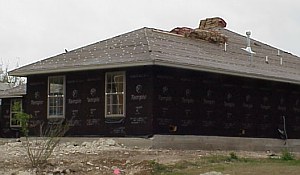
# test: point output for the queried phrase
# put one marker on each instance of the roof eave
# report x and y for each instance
(156, 62)
(12, 96)
(81, 68)
(224, 71)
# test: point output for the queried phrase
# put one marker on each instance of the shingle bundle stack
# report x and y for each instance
(182, 31)
(210, 23)
(206, 31)
(208, 35)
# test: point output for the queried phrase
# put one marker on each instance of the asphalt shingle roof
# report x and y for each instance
(17, 91)
(4, 86)
(148, 46)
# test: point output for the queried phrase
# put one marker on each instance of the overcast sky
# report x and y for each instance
(32, 30)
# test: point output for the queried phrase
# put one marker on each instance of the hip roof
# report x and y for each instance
(147, 46)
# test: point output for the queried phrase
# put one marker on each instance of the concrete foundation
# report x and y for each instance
(189, 142)
(223, 143)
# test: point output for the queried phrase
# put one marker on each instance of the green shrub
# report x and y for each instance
(39, 150)
(287, 155)
(233, 156)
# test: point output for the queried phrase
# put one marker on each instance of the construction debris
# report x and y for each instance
(208, 35)
(182, 31)
(210, 23)
(206, 31)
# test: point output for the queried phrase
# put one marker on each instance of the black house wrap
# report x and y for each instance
(162, 100)
(150, 81)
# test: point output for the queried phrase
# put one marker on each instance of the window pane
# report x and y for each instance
(56, 96)
(119, 87)
(120, 99)
(16, 105)
(113, 88)
(51, 101)
(108, 110)
(59, 101)
(109, 99)
(112, 109)
(56, 101)
(114, 99)
(115, 109)
(56, 89)
(14, 120)
(115, 93)
(120, 109)
(52, 111)
(118, 78)
(109, 88)
(59, 111)
(109, 78)
(56, 85)
(55, 111)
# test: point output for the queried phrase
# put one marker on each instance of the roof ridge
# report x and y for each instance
(147, 38)
(148, 43)
(261, 42)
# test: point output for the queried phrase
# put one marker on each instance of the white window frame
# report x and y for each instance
(58, 96)
(109, 95)
(14, 112)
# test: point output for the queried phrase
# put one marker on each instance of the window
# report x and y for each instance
(115, 94)
(15, 108)
(56, 97)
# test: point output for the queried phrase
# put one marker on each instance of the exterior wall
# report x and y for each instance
(162, 100)
(5, 129)
(139, 101)
(85, 110)
(36, 102)
(190, 102)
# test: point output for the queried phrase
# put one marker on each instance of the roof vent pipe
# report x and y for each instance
(225, 47)
(248, 38)
(267, 60)
(248, 48)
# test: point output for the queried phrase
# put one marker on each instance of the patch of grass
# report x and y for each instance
(229, 164)
(157, 167)
(215, 159)
(287, 155)
(233, 156)
(185, 164)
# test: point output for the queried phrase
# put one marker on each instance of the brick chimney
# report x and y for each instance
(210, 23)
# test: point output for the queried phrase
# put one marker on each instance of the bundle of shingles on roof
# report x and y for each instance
(206, 31)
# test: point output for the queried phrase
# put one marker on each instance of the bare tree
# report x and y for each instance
(13, 81)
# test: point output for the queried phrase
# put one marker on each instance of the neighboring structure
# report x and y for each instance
(148, 81)
(4, 86)
(9, 125)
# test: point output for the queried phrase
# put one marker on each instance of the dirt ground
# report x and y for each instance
(102, 156)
